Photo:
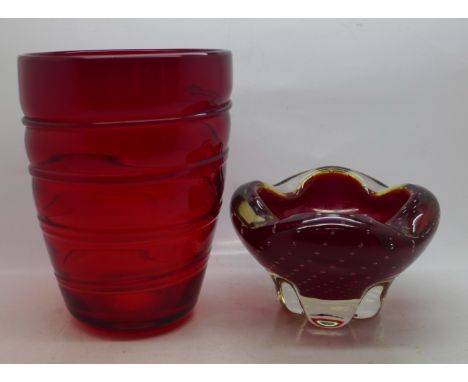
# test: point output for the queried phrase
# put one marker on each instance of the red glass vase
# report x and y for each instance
(127, 151)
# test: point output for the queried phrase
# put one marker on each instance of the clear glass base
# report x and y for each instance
(330, 313)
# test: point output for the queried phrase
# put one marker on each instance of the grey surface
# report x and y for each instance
(238, 320)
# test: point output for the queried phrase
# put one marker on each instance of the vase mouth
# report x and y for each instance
(86, 87)
(125, 53)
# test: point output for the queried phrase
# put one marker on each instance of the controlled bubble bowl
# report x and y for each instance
(334, 239)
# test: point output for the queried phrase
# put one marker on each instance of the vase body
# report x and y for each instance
(127, 154)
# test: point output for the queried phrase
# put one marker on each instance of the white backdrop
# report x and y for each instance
(386, 97)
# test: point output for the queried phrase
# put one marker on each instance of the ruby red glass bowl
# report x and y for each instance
(334, 239)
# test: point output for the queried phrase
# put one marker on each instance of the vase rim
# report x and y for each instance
(90, 86)
(125, 53)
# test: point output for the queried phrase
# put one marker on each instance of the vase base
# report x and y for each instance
(129, 310)
(132, 330)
